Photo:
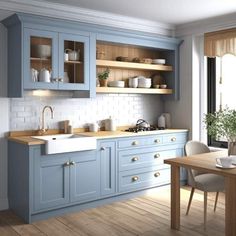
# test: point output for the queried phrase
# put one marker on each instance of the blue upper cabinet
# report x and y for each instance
(53, 56)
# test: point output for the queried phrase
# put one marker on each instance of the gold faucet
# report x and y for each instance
(44, 130)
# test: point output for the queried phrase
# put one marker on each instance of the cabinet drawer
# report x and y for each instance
(141, 178)
(139, 142)
(174, 138)
(132, 159)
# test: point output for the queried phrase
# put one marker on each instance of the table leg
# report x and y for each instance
(230, 206)
(175, 197)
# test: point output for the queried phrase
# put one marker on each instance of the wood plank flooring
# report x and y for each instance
(148, 215)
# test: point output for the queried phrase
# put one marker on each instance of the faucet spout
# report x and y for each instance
(43, 130)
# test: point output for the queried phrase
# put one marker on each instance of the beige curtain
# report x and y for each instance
(220, 43)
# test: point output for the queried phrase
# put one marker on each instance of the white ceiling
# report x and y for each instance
(173, 12)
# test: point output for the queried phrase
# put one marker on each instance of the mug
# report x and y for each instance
(224, 161)
(44, 75)
(93, 127)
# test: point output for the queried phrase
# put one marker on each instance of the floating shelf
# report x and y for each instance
(132, 65)
(133, 90)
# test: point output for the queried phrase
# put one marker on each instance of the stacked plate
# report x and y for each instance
(117, 83)
(159, 61)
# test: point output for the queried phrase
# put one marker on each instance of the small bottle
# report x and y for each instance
(161, 122)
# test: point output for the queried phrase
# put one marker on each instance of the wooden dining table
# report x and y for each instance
(204, 162)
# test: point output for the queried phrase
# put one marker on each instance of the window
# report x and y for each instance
(221, 87)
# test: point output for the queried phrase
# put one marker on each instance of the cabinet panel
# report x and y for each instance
(40, 61)
(107, 155)
(74, 61)
(84, 177)
(51, 182)
(143, 178)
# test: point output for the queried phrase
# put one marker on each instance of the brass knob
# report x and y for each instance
(60, 79)
(72, 163)
(135, 178)
(103, 148)
(173, 139)
(54, 80)
(135, 143)
(135, 159)
(157, 140)
(157, 155)
(157, 174)
(67, 163)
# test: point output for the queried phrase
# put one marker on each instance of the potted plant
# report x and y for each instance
(223, 124)
(103, 76)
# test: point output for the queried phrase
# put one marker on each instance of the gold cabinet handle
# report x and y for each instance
(135, 159)
(54, 80)
(157, 141)
(135, 178)
(173, 139)
(67, 163)
(135, 143)
(157, 174)
(72, 163)
(60, 80)
(103, 148)
(157, 155)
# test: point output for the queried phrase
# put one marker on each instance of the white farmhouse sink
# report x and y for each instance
(60, 143)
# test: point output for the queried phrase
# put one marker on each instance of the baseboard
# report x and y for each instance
(3, 204)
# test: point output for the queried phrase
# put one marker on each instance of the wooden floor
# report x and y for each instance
(148, 215)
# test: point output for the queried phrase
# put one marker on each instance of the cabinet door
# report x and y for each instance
(84, 177)
(107, 155)
(51, 181)
(40, 59)
(73, 62)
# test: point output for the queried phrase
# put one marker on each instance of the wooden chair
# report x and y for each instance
(201, 180)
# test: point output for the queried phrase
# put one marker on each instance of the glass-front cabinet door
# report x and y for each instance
(41, 59)
(73, 62)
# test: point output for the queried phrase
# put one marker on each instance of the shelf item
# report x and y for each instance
(133, 90)
(133, 65)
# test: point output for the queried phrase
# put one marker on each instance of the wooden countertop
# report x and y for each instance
(28, 140)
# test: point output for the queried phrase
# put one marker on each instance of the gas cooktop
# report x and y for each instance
(136, 129)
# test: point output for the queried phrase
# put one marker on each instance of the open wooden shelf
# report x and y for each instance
(40, 59)
(133, 90)
(132, 65)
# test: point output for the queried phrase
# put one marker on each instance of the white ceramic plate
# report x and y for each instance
(159, 61)
(230, 167)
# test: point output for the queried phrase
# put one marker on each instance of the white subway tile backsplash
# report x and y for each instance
(125, 108)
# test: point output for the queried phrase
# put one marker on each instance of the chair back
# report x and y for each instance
(193, 148)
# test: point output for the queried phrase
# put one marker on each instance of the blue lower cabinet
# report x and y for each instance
(84, 177)
(107, 154)
(51, 182)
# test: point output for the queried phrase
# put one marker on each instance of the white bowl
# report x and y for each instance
(159, 61)
(163, 86)
(117, 83)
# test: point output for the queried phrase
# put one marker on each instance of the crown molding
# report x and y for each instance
(62, 11)
(208, 25)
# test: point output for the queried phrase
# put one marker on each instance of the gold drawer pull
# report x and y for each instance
(157, 174)
(135, 178)
(157, 141)
(173, 139)
(72, 163)
(135, 159)
(135, 143)
(157, 155)
(67, 163)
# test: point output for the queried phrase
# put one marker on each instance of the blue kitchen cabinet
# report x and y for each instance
(35, 47)
(107, 154)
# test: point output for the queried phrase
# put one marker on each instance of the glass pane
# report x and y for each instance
(40, 59)
(73, 62)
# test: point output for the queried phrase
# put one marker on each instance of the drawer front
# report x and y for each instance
(139, 142)
(133, 159)
(143, 178)
(175, 138)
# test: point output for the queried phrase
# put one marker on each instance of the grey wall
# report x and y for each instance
(4, 118)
